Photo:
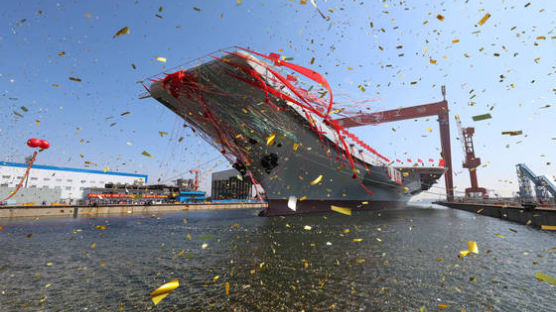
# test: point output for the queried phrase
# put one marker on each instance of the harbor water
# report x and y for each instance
(388, 260)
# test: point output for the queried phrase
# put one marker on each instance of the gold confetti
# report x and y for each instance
(472, 247)
(204, 245)
(543, 277)
(120, 32)
(432, 61)
(501, 236)
(161, 59)
(197, 9)
(270, 139)
(164, 290)
(357, 239)
(303, 198)
(75, 79)
(346, 211)
(484, 19)
(464, 252)
(101, 227)
(295, 146)
(442, 306)
(307, 228)
(548, 227)
(227, 288)
(317, 180)
(93, 245)
(37, 122)
(440, 17)
(145, 153)
(214, 279)
(541, 38)
(62, 53)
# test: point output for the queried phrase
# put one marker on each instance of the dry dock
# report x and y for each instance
(12, 212)
(541, 216)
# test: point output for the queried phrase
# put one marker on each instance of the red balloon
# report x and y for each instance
(44, 144)
(33, 142)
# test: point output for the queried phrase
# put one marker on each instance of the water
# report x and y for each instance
(274, 264)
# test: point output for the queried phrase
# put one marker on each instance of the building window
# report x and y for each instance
(68, 188)
(33, 186)
(46, 179)
(58, 180)
(83, 181)
(34, 179)
(4, 185)
(92, 182)
(5, 177)
(81, 188)
(69, 180)
(57, 187)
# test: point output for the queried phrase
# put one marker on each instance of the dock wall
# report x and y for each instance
(12, 212)
(537, 217)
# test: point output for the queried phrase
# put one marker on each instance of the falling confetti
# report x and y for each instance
(317, 180)
(481, 117)
(74, 79)
(547, 278)
(307, 228)
(145, 153)
(472, 247)
(484, 19)
(122, 31)
(270, 139)
(161, 59)
(346, 211)
(163, 291)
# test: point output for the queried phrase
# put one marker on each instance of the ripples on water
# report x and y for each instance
(407, 259)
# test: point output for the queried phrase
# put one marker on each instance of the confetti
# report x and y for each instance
(204, 245)
(101, 227)
(145, 153)
(501, 236)
(74, 79)
(270, 139)
(548, 227)
(317, 180)
(161, 59)
(512, 133)
(346, 211)
(547, 278)
(472, 247)
(357, 239)
(484, 19)
(464, 253)
(124, 113)
(295, 146)
(227, 288)
(62, 53)
(440, 17)
(93, 245)
(122, 31)
(197, 9)
(307, 228)
(164, 290)
(292, 203)
(481, 117)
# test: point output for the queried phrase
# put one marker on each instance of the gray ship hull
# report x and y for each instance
(299, 170)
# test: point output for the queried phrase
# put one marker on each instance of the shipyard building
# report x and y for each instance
(58, 184)
(230, 185)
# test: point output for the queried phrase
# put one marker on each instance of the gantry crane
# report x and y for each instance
(543, 187)
(471, 162)
(439, 109)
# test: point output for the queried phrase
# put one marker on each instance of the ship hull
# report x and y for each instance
(300, 170)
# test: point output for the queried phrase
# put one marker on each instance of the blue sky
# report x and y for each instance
(83, 118)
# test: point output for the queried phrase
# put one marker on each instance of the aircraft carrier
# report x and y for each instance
(274, 134)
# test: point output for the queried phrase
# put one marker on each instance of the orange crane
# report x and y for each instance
(471, 162)
(196, 181)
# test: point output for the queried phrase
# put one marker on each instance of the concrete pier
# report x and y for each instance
(541, 216)
(13, 212)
